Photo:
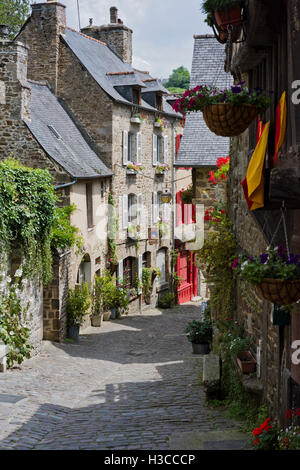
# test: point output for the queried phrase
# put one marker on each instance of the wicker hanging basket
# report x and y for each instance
(227, 120)
(278, 291)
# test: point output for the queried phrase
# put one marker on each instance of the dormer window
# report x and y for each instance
(136, 96)
(159, 101)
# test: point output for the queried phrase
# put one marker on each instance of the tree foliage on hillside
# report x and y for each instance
(179, 79)
(14, 13)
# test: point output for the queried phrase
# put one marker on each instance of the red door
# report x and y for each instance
(185, 266)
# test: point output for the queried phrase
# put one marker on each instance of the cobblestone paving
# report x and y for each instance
(127, 385)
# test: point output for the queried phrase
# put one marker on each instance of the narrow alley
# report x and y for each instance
(131, 384)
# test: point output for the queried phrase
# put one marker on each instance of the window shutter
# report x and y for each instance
(139, 208)
(125, 211)
(125, 147)
(138, 147)
(166, 212)
(140, 271)
(155, 208)
(154, 152)
(120, 270)
(166, 149)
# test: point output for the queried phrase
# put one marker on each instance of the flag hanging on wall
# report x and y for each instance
(254, 183)
(281, 116)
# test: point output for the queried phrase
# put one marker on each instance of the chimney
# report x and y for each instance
(113, 15)
(14, 93)
(116, 35)
(42, 34)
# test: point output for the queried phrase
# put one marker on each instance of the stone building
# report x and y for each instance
(38, 131)
(200, 148)
(118, 109)
(74, 104)
(269, 58)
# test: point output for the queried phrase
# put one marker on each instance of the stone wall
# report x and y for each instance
(253, 312)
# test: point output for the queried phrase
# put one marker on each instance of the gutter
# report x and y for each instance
(66, 185)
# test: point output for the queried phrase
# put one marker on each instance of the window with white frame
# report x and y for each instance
(132, 147)
(131, 209)
(160, 149)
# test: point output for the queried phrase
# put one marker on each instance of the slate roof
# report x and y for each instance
(55, 131)
(199, 146)
(100, 60)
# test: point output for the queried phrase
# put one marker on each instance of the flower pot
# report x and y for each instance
(278, 291)
(96, 320)
(230, 16)
(227, 120)
(106, 316)
(202, 348)
(73, 332)
(113, 315)
(135, 120)
(246, 362)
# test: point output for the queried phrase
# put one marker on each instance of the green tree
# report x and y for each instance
(14, 13)
(180, 78)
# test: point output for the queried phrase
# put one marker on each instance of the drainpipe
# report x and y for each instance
(173, 195)
(66, 185)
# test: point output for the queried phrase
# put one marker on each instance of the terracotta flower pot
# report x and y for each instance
(246, 362)
(229, 16)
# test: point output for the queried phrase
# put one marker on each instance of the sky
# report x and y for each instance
(162, 29)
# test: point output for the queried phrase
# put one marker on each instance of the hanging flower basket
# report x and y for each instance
(229, 120)
(227, 113)
(278, 291)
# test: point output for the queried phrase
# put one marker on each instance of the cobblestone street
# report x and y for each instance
(130, 384)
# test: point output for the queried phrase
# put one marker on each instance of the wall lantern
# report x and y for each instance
(166, 196)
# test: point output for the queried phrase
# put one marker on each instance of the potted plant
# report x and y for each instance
(227, 113)
(159, 123)
(156, 272)
(162, 168)
(136, 118)
(225, 14)
(134, 168)
(200, 335)
(187, 195)
(275, 274)
(78, 305)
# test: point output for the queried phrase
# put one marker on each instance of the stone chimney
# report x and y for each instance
(116, 35)
(14, 93)
(41, 33)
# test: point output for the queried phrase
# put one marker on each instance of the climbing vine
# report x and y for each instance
(27, 211)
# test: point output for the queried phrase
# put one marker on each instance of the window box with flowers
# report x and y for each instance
(159, 123)
(275, 274)
(134, 168)
(137, 118)
(162, 168)
(227, 113)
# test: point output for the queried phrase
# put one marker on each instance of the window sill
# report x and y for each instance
(162, 287)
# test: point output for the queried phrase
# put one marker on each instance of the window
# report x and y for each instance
(160, 155)
(159, 101)
(102, 189)
(160, 150)
(130, 148)
(136, 96)
(161, 263)
(89, 204)
(129, 272)
(132, 209)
